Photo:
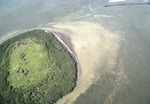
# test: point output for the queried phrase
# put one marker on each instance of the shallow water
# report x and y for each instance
(127, 82)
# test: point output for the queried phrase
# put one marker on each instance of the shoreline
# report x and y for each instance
(70, 50)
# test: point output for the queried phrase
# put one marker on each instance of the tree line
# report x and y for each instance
(48, 89)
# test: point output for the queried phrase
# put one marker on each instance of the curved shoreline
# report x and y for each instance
(69, 50)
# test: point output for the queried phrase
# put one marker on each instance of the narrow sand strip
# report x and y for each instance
(57, 36)
(96, 49)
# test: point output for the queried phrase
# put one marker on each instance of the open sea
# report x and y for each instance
(132, 22)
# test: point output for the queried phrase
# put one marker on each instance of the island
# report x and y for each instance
(35, 68)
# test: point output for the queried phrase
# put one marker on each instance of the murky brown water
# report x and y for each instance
(112, 44)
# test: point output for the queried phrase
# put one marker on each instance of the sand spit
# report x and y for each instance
(57, 35)
(68, 46)
(94, 46)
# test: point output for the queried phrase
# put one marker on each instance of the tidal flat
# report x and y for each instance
(95, 47)
(87, 23)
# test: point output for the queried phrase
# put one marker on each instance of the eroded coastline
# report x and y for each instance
(95, 48)
(104, 46)
(70, 51)
(69, 48)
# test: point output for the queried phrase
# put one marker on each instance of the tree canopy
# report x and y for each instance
(35, 69)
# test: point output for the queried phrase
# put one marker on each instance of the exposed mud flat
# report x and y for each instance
(94, 46)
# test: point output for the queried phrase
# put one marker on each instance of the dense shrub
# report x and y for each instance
(57, 82)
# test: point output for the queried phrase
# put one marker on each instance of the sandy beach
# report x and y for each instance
(94, 46)
(67, 45)
(65, 41)
(110, 38)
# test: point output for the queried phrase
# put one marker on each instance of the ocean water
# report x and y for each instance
(130, 22)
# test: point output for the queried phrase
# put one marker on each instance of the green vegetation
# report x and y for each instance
(35, 69)
(26, 64)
